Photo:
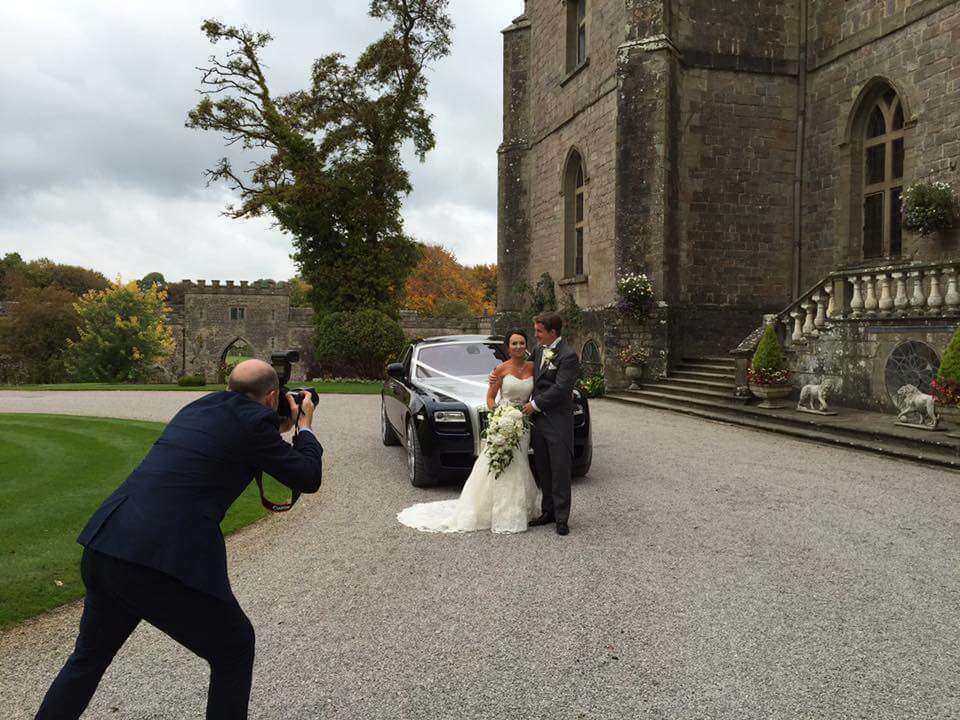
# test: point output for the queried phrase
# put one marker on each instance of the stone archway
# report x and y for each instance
(236, 351)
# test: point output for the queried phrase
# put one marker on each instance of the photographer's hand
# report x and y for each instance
(306, 417)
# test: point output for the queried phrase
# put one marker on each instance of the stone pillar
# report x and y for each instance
(648, 139)
(513, 216)
(951, 300)
(901, 302)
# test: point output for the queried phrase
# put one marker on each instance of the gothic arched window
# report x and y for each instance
(574, 180)
(882, 163)
(591, 362)
(576, 34)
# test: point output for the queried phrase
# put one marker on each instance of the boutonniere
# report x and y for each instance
(549, 354)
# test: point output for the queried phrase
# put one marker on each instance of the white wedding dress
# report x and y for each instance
(503, 505)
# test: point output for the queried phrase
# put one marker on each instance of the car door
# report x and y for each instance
(397, 397)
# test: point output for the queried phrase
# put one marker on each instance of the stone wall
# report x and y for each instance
(856, 354)
(716, 140)
(204, 330)
(915, 45)
(566, 111)
(416, 326)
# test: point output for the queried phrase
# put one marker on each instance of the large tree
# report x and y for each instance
(326, 160)
(35, 334)
(122, 335)
(439, 285)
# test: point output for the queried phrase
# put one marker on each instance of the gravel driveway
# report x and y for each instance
(712, 572)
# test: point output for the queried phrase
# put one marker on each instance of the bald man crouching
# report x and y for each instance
(154, 551)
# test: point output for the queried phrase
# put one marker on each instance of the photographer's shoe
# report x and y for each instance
(542, 520)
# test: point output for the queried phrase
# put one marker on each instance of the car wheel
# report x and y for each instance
(415, 466)
(387, 433)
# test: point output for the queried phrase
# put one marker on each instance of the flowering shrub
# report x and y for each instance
(945, 392)
(929, 207)
(768, 377)
(593, 386)
(945, 388)
(634, 355)
(352, 380)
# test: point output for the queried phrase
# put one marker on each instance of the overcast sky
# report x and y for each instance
(97, 168)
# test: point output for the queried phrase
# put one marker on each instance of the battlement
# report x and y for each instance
(230, 287)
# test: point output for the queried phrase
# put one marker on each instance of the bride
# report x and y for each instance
(504, 504)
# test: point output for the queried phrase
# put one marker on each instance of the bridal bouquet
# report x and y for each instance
(505, 429)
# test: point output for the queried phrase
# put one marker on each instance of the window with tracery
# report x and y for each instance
(883, 159)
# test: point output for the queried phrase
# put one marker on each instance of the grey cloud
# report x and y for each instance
(95, 96)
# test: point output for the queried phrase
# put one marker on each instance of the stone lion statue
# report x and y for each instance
(817, 397)
(910, 401)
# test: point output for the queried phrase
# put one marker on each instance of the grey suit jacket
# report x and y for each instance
(553, 386)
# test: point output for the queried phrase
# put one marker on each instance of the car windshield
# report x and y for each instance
(457, 359)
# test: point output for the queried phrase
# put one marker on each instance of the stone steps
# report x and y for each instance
(698, 383)
(872, 432)
(672, 390)
(698, 375)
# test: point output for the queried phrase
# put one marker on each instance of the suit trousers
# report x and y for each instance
(553, 457)
(121, 594)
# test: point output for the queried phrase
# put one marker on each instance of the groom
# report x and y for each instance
(555, 372)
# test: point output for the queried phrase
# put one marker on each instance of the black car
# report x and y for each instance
(434, 403)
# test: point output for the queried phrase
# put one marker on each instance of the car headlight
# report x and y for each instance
(578, 409)
(450, 416)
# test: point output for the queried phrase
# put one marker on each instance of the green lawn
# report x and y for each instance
(55, 470)
(342, 388)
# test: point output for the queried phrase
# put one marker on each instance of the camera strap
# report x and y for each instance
(270, 505)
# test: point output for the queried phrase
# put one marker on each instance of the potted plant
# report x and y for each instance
(945, 387)
(634, 357)
(767, 375)
(929, 207)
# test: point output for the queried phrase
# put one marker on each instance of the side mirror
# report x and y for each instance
(395, 370)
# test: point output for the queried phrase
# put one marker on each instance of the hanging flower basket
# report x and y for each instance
(929, 208)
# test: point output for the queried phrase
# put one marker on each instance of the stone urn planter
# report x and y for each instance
(634, 374)
(769, 394)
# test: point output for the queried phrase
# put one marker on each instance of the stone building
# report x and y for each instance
(747, 155)
(214, 318)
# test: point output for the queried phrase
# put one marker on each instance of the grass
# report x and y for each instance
(55, 470)
(339, 388)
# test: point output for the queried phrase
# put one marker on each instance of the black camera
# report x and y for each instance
(283, 364)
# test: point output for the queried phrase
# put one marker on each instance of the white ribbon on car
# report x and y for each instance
(426, 382)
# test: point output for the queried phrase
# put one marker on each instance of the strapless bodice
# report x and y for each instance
(515, 390)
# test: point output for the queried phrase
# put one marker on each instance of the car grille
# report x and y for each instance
(484, 418)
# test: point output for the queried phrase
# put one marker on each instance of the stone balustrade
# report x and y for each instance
(919, 291)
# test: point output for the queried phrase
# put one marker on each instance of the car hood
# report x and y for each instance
(472, 393)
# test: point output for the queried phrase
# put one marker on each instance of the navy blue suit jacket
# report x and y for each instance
(166, 515)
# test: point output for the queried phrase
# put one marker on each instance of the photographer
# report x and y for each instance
(154, 550)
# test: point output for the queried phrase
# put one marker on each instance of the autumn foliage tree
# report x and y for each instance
(34, 336)
(439, 285)
(122, 335)
(325, 160)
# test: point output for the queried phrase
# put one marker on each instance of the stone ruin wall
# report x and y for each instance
(204, 331)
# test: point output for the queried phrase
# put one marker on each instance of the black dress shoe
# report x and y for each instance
(562, 528)
(542, 520)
